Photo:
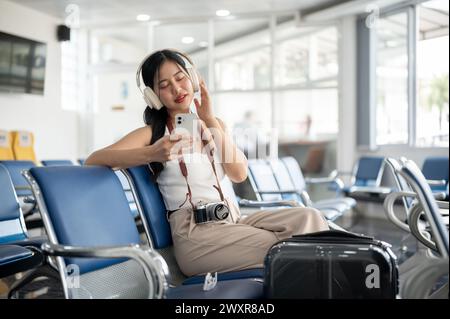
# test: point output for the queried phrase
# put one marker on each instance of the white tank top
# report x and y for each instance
(201, 178)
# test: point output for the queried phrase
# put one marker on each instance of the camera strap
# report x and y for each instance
(184, 170)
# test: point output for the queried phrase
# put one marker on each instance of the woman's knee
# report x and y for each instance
(315, 217)
(313, 212)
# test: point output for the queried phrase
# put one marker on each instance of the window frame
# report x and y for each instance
(410, 9)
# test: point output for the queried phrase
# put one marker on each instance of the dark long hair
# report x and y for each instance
(157, 119)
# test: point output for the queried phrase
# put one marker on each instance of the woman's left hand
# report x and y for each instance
(204, 108)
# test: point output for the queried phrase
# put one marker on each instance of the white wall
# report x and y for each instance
(109, 125)
(55, 130)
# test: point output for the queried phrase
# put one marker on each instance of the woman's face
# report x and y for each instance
(173, 86)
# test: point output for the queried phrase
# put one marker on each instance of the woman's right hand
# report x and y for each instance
(168, 147)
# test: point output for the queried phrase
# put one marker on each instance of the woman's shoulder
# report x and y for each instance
(143, 131)
(142, 134)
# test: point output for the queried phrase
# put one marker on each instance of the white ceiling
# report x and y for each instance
(117, 18)
(96, 12)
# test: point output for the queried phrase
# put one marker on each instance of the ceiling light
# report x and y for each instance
(142, 17)
(203, 44)
(222, 13)
(187, 40)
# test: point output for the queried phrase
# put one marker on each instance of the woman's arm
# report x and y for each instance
(233, 160)
(134, 150)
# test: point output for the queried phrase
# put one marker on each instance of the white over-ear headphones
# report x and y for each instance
(150, 96)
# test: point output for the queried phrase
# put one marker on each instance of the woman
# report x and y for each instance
(225, 245)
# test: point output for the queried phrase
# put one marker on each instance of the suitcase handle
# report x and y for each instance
(336, 234)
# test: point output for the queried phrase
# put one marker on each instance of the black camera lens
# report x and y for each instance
(221, 211)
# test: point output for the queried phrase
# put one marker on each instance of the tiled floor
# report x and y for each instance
(403, 244)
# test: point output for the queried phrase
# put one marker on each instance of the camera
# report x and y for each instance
(210, 212)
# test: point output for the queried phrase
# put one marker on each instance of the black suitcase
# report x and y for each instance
(331, 265)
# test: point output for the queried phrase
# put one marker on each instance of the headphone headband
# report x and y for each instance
(187, 65)
(150, 97)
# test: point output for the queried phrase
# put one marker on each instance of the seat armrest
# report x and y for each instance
(331, 179)
(275, 203)
(154, 266)
(440, 182)
(341, 173)
(286, 191)
(306, 199)
(388, 205)
(370, 189)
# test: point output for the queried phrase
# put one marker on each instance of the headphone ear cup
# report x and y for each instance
(152, 99)
(194, 77)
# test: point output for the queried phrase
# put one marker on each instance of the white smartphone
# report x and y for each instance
(186, 123)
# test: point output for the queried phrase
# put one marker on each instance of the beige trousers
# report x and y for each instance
(240, 244)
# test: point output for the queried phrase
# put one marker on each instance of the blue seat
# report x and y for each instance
(14, 259)
(299, 182)
(418, 182)
(56, 162)
(270, 180)
(15, 169)
(424, 274)
(86, 214)
(126, 189)
(435, 170)
(12, 226)
(366, 178)
(23, 191)
(157, 227)
(19, 252)
(264, 183)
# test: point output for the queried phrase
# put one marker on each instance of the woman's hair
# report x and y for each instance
(157, 118)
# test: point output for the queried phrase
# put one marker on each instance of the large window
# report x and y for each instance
(70, 84)
(242, 62)
(306, 70)
(392, 80)
(411, 84)
(307, 115)
(246, 71)
(308, 59)
(432, 115)
(288, 96)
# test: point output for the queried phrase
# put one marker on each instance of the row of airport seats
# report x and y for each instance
(151, 210)
(24, 193)
(71, 222)
(282, 179)
(103, 219)
(424, 275)
(18, 252)
(368, 172)
(100, 226)
(17, 145)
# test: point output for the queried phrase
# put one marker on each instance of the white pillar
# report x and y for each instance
(346, 142)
